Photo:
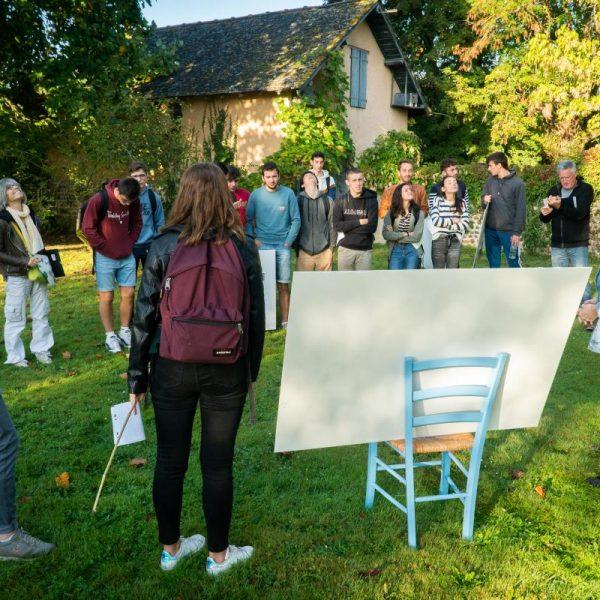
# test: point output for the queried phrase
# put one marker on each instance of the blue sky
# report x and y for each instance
(173, 12)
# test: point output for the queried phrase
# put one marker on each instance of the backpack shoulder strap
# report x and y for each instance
(104, 200)
(326, 204)
(153, 204)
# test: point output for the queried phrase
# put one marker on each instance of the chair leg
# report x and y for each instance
(445, 473)
(471, 498)
(371, 475)
(410, 501)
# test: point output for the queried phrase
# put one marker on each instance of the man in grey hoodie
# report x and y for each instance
(504, 195)
(316, 240)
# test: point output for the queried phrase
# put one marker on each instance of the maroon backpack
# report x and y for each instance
(205, 306)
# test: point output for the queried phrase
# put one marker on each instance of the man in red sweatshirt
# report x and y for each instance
(112, 224)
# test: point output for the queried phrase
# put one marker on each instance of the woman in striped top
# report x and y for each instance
(403, 228)
(450, 219)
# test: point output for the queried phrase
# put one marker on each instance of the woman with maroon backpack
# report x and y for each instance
(200, 325)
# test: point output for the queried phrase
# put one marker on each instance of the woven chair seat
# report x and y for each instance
(439, 443)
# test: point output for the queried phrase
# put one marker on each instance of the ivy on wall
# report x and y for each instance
(316, 121)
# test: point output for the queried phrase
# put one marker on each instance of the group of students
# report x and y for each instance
(421, 229)
(193, 352)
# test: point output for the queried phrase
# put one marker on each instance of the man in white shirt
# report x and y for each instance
(326, 181)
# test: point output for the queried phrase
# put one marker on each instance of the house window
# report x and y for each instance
(358, 78)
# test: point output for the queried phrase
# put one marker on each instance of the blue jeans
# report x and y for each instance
(573, 257)
(495, 242)
(9, 446)
(403, 256)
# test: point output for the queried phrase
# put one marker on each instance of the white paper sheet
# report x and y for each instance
(348, 334)
(134, 431)
(268, 265)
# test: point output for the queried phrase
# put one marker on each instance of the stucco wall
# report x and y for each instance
(378, 116)
(253, 121)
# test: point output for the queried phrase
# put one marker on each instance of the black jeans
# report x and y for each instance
(177, 389)
(445, 252)
(140, 254)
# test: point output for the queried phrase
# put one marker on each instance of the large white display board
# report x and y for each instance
(349, 332)
(268, 265)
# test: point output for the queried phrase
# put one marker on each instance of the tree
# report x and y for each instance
(61, 59)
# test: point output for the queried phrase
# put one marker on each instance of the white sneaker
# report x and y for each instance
(234, 554)
(44, 357)
(23, 364)
(188, 546)
(113, 344)
(125, 336)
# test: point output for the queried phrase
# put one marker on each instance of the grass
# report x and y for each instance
(303, 513)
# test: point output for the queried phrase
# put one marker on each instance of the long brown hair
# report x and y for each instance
(203, 204)
(397, 207)
(459, 203)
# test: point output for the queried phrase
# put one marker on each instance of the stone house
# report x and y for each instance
(245, 64)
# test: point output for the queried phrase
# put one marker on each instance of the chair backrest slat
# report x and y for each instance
(450, 391)
(446, 363)
(497, 365)
(448, 417)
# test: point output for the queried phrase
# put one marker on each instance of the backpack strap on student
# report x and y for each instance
(153, 205)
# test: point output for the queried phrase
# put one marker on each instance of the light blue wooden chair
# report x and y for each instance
(446, 444)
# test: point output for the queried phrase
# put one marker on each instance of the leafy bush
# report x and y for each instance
(379, 163)
(135, 128)
(316, 121)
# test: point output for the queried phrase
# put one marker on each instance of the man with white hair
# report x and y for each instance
(567, 208)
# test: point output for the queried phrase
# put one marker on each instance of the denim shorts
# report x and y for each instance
(283, 258)
(109, 270)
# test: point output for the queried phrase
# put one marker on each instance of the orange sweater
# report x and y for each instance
(386, 199)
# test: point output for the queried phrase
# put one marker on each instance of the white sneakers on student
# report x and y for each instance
(113, 344)
(44, 357)
(188, 546)
(125, 337)
(233, 555)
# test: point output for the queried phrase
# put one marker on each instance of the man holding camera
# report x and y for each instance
(567, 208)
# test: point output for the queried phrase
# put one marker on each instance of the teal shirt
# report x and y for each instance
(273, 217)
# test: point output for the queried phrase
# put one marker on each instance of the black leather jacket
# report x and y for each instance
(14, 257)
(147, 315)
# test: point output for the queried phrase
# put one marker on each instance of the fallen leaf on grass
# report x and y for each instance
(24, 499)
(123, 375)
(71, 373)
(63, 480)
(370, 573)
(517, 474)
(540, 491)
(137, 462)
(66, 355)
(99, 356)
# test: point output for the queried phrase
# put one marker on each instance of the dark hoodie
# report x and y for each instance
(115, 234)
(571, 222)
(347, 211)
(316, 217)
(507, 210)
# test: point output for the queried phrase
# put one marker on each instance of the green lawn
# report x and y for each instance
(303, 513)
